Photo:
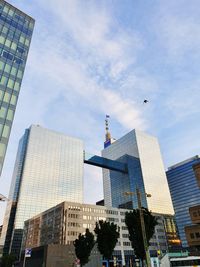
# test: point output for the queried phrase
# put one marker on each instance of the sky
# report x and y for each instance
(89, 58)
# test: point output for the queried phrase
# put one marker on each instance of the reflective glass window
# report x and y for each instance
(13, 71)
(10, 115)
(13, 100)
(2, 40)
(10, 83)
(6, 131)
(1, 95)
(5, 30)
(3, 80)
(3, 112)
(8, 43)
(2, 149)
(16, 86)
(22, 39)
(11, 12)
(14, 46)
(6, 97)
(7, 68)
(27, 42)
(2, 64)
(19, 74)
(5, 9)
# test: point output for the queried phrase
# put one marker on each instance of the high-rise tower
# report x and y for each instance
(185, 192)
(148, 174)
(16, 30)
(48, 170)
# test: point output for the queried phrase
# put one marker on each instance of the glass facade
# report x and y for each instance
(16, 30)
(153, 179)
(48, 170)
(184, 191)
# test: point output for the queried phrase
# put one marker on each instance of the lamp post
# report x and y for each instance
(144, 237)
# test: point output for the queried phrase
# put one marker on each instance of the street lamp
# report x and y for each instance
(138, 193)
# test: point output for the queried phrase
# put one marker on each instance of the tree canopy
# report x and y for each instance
(107, 236)
(8, 260)
(133, 223)
(83, 246)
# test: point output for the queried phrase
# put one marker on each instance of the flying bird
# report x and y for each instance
(145, 101)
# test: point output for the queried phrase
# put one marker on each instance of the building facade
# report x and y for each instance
(184, 191)
(16, 30)
(148, 173)
(193, 231)
(63, 223)
(48, 170)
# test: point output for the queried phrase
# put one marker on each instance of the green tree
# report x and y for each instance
(107, 236)
(83, 246)
(133, 223)
(8, 260)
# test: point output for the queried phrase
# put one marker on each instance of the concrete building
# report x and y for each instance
(193, 231)
(63, 223)
(16, 30)
(48, 170)
(146, 172)
(185, 193)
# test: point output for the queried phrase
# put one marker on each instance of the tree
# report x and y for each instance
(133, 223)
(107, 236)
(8, 260)
(83, 246)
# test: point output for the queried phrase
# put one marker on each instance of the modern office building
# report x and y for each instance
(48, 170)
(185, 192)
(16, 30)
(146, 172)
(63, 223)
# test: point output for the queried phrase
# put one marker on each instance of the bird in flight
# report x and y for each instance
(145, 101)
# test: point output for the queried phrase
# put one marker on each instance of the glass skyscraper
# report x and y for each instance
(16, 30)
(147, 173)
(185, 192)
(48, 170)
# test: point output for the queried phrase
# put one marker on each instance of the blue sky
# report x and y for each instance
(91, 58)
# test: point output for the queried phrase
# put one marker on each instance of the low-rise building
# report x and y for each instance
(63, 223)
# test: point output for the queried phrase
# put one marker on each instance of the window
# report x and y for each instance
(27, 42)
(2, 112)
(7, 55)
(6, 97)
(13, 71)
(2, 149)
(3, 80)
(18, 60)
(6, 131)
(11, 12)
(10, 83)
(19, 74)
(2, 64)
(13, 45)
(1, 95)
(20, 50)
(197, 234)
(16, 86)
(13, 100)
(22, 39)
(7, 68)
(192, 236)
(2, 40)
(10, 115)
(5, 9)
(8, 43)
